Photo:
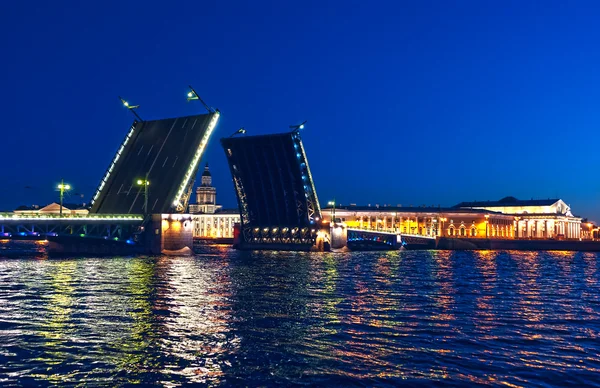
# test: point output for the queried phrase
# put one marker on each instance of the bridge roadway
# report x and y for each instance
(364, 238)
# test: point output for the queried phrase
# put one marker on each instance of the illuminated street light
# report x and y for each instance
(299, 126)
(132, 108)
(145, 183)
(442, 220)
(240, 131)
(62, 187)
(192, 95)
(332, 203)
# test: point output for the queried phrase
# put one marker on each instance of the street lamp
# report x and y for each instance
(442, 220)
(240, 131)
(132, 108)
(299, 126)
(192, 95)
(62, 187)
(145, 183)
(332, 204)
(486, 225)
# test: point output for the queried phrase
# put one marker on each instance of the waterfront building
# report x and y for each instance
(209, 219)
(535, 218)
(206, 195)
(215, 225)
(424, 221)
(53, 209)
(506, 218)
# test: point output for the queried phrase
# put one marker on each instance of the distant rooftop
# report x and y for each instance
(406, 209)
(508, 201)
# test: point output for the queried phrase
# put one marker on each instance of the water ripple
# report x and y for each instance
(348, 319)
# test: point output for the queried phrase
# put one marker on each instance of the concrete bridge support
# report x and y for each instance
(170, 234)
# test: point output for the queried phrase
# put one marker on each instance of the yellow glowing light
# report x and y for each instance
(139, 181)
(176, 226)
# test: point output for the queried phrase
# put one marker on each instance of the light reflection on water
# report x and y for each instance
(233, 318)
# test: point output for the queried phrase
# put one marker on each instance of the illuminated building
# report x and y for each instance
(208, 218)
(53, 208)
(535, 218)
(425, 221)
(507, 218)
(206, 195)
(215, 225)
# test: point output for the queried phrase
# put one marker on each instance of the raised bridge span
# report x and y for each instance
(277, 199)
(146, 188)
(164, 156)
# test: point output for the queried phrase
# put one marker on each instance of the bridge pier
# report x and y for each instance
(339, 236)
(170, 234)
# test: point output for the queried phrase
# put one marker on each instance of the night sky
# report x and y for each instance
(407, 102)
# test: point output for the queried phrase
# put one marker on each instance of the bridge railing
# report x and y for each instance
(71, 217)
(392, 231)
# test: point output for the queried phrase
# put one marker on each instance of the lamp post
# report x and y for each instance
(62, 187)
(486, 225)
(131, 108)
(332, 204)
(442, 220)
(145, 183)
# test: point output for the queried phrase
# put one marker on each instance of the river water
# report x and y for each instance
(228, 318)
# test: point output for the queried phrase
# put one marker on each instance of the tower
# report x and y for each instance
(206, 195)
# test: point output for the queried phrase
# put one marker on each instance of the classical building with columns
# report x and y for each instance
(215, 225)
(508, 218)
(425, 221)
(535, 218)
(209, 220)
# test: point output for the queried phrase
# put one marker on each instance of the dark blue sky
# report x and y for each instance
(407, 102)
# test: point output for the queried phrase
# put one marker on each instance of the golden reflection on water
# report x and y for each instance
(445, 291)
(55, 324)
(489, 318)
(484, 318)
(199, 324)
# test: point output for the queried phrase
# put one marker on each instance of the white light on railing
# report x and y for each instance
(196, 159)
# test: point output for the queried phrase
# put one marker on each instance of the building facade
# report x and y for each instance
(424, 221)
(206, 195)
(53, 209)
(535, 218)
(216, 225)
(209, 220)
(506, 218)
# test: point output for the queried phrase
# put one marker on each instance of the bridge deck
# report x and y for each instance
(167, 152)
(276, 195)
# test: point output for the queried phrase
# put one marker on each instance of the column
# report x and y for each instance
(400, 225)
(417, 227)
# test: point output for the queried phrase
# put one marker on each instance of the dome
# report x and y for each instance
(508, 200)
(206, 172)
